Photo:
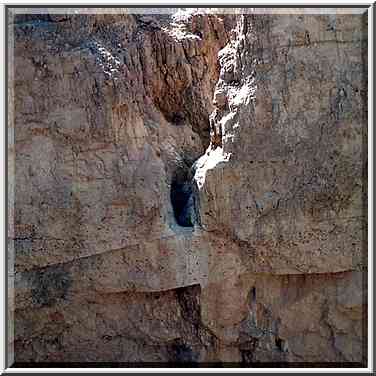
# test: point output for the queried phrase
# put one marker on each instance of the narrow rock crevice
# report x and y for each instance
(198, 339)
(182, 202)
(182, 198)
(149, 228)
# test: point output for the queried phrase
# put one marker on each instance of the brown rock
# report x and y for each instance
(188, 187)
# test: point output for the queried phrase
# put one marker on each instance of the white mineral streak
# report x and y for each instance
(207, 162)
(244, 95)
(179, 32)
(106, 60)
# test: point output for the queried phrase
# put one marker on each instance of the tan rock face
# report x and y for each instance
(188, 187)
(293, 185)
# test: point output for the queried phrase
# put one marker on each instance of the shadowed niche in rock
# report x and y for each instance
(182, 203)
(181, 352)
(182, 197)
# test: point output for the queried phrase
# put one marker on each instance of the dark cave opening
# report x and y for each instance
(253, 296)
(182, 202)
(181, 352)
(278, 343)
(281, 344)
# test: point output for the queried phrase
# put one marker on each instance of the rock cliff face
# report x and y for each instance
(188, 186)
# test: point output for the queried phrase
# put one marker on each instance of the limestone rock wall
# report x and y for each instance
(188, 187)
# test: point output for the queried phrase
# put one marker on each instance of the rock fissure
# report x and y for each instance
(215, 193)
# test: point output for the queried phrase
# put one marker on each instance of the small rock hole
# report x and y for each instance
(181, 352)
(182, 199)
(253, 295)
(177, 118)
(281, 344)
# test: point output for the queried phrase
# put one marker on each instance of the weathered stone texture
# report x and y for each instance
(189, 187)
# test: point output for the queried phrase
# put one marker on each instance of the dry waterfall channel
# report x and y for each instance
(188, 187)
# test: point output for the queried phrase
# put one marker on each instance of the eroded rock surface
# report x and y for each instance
(188, 186)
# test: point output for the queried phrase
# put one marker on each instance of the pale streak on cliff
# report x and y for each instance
(257, 120)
